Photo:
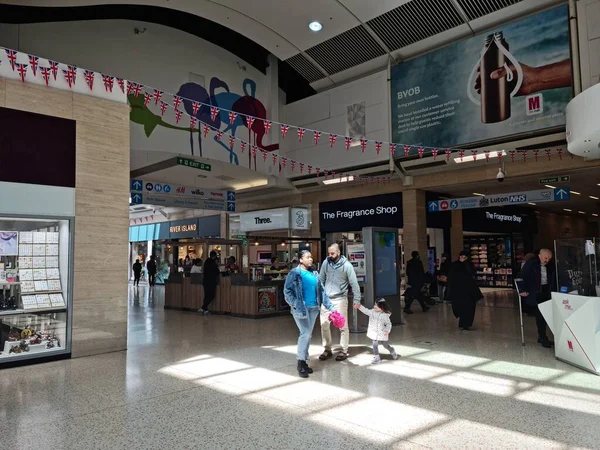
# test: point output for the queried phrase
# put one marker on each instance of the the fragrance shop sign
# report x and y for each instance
(296, 218)
(355, 213)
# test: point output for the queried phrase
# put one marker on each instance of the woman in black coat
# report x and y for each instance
(463, 291)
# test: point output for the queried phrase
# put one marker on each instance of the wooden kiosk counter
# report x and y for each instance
(236, 295)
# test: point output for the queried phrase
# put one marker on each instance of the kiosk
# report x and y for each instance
(573, 314)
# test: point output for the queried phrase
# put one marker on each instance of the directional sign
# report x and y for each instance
(231, 206)
(512, 198)
(137, 185)
(554, 180)
(231, 196)
(180, 202)
(194, 164)
(136, 199)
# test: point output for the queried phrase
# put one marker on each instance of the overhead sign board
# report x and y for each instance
(180, 202)
(296, 218)
(554, 180)
(192, 163)
(511, 198)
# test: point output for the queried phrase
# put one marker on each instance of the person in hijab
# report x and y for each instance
(463, 291)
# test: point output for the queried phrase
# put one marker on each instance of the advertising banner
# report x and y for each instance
(267, 299)
(511, 80)
(356, 255)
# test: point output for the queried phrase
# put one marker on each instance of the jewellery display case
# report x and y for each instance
(35, 288)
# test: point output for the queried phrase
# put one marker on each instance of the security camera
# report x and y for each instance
(501, 175)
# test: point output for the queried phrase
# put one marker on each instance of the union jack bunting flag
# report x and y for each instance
(69, 77)
(284, 130)
(45, 71)
(54, 69)
(22, 69)
(316, 137)
(219, 135)
(12, 57)
(243, 146)
(192, 123)
(231, 142)
(317, 171)
(548, 154)
(536, 153)
(250, 121)
(214, 112)
(461, 154)
(195, 107)
(421, 150)
(406, 150)
(267, 124)
(332, 140)
(512, 154)
(524, 155)
(120, 82)
(283, 162)
(275, 158)
(232, 117)
(348, 141)
(176, 102)
(474, 153)
(560, 153)
(206, 130)
(434, 152)
(448, 154)
(301, 167)
(264, 153)
(378, 145)
(363, 145)
(178, 115)
(89, 78)
(108, 82)
(309, 169)
(34, 62)
(147, 98)
(157, 96)
(500, 156)
(163, 108)
(301, 132)
(487, 155)
(392, 150)
(73, 71)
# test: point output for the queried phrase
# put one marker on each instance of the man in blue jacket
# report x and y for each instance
(337, 275)
(539, 280)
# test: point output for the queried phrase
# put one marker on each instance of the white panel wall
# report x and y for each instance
(22, 198)
(326, 111)
(161, 57)
(588, 12)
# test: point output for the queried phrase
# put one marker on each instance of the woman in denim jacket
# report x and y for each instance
(305, 294)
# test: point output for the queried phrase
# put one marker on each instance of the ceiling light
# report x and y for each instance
(581, 212)
(339, 180)
(595, 198)
(575, 192)
(315, 26)
(478, 194)
(532, 204)
(550, 186)
(478, 157)
(595, 215)
(567, 210)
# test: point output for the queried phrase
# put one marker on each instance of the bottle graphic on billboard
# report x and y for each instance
(495, 93)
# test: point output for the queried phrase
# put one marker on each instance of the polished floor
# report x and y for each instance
(194, 382)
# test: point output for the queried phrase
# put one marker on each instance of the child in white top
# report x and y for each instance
(379, 327)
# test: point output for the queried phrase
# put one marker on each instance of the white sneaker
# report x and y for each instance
(394, 354)
(376, 359)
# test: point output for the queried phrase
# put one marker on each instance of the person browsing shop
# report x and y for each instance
(463, 291)
(337, 275)
(210, 281)
(539, 281)
(306, 295)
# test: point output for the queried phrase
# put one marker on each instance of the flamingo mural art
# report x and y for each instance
(220, 96)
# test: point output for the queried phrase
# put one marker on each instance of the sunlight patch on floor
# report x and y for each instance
(525, 371)
(580, 380)
(210, 367)
(256, 379)
(411, 369)
(482, 383)
(563, 398)
(451, 359)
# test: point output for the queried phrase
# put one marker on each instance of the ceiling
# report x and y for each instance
(583, 181)
(358, 36)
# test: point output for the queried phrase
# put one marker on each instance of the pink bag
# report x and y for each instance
(337, 319)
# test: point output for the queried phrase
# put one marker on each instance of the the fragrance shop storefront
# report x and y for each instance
(177, 244)
(497, 240)
(342, 222)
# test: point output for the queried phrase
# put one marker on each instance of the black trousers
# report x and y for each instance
(543, 296)
(412, 294)
(151, 279)
(467, 316)
(136, 279)
(210, 291)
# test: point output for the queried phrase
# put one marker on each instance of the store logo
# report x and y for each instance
(183, 228)
(180, 190)
(217, 194)
(149, 187)
(534, 104)
(570, 345)
(262, 220)
(197, 192)
(300, 219)
(503, 217)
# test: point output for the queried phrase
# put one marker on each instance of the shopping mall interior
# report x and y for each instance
(196, 197)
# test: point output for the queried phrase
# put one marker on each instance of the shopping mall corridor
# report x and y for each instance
(215, 382)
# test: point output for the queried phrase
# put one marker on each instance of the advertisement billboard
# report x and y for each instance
(511, 80)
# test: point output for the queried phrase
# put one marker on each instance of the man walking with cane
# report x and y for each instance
(337, 274)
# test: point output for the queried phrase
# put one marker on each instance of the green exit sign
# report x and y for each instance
(193, 164)
(558, 179)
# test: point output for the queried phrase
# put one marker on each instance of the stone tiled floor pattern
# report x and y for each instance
(194, 382)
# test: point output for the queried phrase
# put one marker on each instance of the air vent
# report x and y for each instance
(479, 8)
(305, 68)
(414, 21)
(346, 50)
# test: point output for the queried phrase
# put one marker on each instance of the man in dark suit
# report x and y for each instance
(211, 274)
(539, 281)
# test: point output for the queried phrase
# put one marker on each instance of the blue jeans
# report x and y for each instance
(306, 325)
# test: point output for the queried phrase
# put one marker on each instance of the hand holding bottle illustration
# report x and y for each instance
(535, 79)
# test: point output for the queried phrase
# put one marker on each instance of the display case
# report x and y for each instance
(491, 257)
(35, 288)
(573, 313)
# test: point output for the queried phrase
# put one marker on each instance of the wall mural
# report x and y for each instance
(226, 101)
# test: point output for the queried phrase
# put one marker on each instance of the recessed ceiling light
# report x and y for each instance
(315, 26)
(595, 198)
(575, 192)
(567, 210)
(581, 212)
(478, 157)
(477, 193)
(550, 186)
(532, 204)
(595, 215)
(339, 180)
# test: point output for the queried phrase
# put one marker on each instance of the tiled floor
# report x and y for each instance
(194, 382)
